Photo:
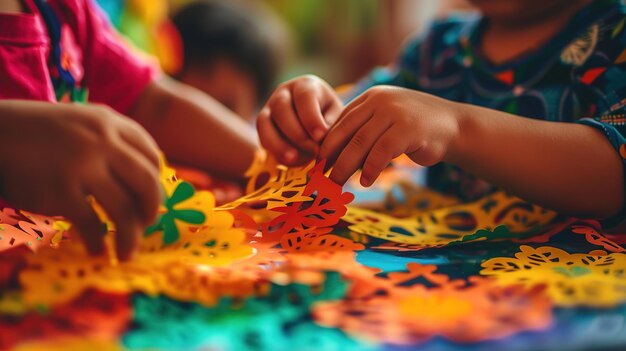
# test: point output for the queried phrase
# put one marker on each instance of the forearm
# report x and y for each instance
(194, 129)
(567, 167)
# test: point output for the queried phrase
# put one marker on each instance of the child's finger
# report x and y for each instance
(307, 104)
(386, 148)
(285, 118)
(129, 233)
(341, 133)
(331, 113)
(139, 138)
(86, 222)
(114, 198)
(357, 149)
(141, 179)
(273, 141)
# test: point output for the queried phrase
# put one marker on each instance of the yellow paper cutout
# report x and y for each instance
(169, 180)
(444, 226)
(71, 344)
(57, 275)
(11, 303)
(417, 200)
(595, 279)
(282, 187)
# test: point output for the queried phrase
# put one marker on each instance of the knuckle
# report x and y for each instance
(358, 141)
(301, 91)
(309, 79)
(384, 148)
(281, 97)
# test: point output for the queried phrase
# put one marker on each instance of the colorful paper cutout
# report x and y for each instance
(594, 279)
(406, 199)
(305, 226)
(57, 275)
(594, 237)
(92, 315)
(185, 209)
(25, 228)
(389, 310)
(444, 226)
(276, 321)
(273, 183)
(251, 274)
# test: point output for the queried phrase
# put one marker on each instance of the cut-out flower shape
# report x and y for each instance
(456, 224)
(594, 279)
(173, 213)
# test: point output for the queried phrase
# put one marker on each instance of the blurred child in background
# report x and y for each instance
(495, 99)
(231, 52)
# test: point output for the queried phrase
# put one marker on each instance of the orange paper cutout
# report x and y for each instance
(24, 228)
(596, 238)
(399, 314)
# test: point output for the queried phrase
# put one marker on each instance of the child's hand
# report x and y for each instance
(53, 156)
(297, 117)
(385, 122)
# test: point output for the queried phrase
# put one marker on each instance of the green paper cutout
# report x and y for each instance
(167, 221)
(572, 272)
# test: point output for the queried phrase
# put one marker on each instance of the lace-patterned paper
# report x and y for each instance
(595, 279)
(453, 224)
(29, 229)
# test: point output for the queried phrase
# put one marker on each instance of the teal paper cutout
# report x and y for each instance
(279, 321)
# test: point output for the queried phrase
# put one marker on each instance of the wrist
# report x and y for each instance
(463, 131)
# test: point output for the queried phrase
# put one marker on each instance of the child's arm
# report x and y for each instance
(568, 167)
(53, 156)
(189, 126)
(194, 129)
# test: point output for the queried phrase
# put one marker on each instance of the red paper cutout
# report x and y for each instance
(596, 238)
(305, 226)
(93, 314)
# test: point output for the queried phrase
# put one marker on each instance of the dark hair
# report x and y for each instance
(211, 30)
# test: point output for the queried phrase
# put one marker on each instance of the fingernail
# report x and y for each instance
(291, 155)
(318, 134)
(365, 182)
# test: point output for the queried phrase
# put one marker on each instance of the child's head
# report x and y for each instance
(520, 11)
(229, 53)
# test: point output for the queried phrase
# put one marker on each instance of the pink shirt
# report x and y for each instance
(93, 50)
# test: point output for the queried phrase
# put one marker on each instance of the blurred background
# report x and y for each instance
(339, 40)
